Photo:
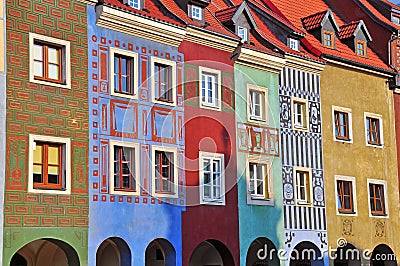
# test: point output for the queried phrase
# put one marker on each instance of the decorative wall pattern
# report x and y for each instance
(258, 140)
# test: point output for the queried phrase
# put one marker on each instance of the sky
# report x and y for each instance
(397, 2)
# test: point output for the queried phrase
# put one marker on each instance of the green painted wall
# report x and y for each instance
(258, 221)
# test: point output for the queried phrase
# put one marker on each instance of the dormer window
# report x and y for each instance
(196, 12)
(242, 33)
(361, 48)
(396, 20)
(328, 39)
(294, 44)
(134, 3)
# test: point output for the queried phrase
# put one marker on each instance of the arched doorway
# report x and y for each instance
(383, 255)
(262, 252)
(160, 252)
(348, 255)
(46, 251)
(211, 252)
(306, 254)
(113, 252)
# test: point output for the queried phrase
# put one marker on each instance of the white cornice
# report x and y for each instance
(304, 64)
(89, 2)
(376, 72)
(139, 26)
(198, 36)
(261, 61)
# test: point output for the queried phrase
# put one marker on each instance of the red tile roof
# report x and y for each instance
(226, 15)
(376, 13)
(347, 31)
(314, 21)
(295, 10)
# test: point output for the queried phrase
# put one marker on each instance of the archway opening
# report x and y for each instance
(383, 255)
(348, 255)
(211, 252)
(306, 254)
(113, 252)
(262, 252)
(160, 252)
(46, 251)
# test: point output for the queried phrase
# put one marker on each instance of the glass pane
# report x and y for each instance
(53, 170)
(37, 154)
(116, 181)
(53, 55)
(38, 69)
(53, 179)
(37, 178)
(54, 72)
(38, 52)
(124, 84)
(207, 191)
(37, 169)
(123, 66)
(339, 202)
(347, 202)
(53, 155)
(116, 82)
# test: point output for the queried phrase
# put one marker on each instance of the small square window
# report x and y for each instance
(124, 73)
(212, 179)
(242, 33)
(395, 20)
(300, 114)
(303, 186)
(134, 3)
(210, 86)
(124, 172)
(165, 172)
(373, 129)
(164, 81)
(197, 12)
(377, 197)
(257, 103)
(258, 182)
(49, 61)
(329, 39)
(49, 164)
(342, 124)
(361, 48)
(345, 195)
(294, 44)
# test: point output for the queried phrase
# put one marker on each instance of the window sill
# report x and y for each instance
(304, 204)
(380, 146)
(124, 95)
(163, 102)
(164, 195)
(350, 141)
(252, 200)
(379, 215)
(50, 191)
(124, 192)
(257, 119)
(210, 106)
(53, 84)
(300, 128)
(212, 202)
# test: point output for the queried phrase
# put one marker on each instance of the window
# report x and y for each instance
(257, 101)
(212, 180)
(302, 185)
(345, 195)
(49, 61)
(124, 164)
(329, 39)
(197, 12)
(342, 126)
(165, 172)
(300, 114)
(49, 164)
(294, 44)
(210, 85)
(377, 197)
(373, 128)
(164, 81)
(124, 73)
(134, 3)
(361, 48)
(395, 20)
(242, 33)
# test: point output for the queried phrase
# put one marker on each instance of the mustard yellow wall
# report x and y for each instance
(360, 92)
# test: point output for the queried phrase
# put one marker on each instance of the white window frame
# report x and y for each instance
(216, 103)
(135, 57)
(264, 102)
(243, 33)
(212, 156)
(135, 146)
(293, 44)
(153, 61)
(66, 57)
(174, 151)
(67, 175)
(305, 125)
(354, 189)
(268, 196)
(379, 117)
(349, 115)
(385, 188)
(200, 11)
(309, 201)
(134, 4)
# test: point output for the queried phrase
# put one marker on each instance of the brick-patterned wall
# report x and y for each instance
(45, 110)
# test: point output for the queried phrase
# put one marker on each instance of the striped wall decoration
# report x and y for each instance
(304, 218)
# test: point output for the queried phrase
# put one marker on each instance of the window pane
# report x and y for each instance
(53, 155)
(37, 178)
(37, 169)
(37, 154)
(38, 52)
(54, 72)
(38, 69)
(53, 170)
(53, 55)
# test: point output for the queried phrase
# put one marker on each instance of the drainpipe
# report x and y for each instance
(394, 82)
